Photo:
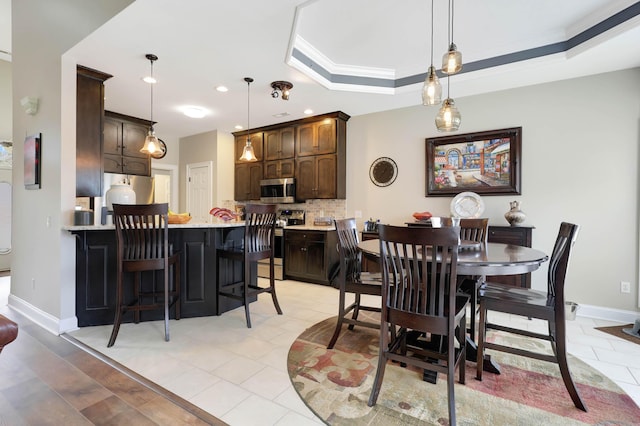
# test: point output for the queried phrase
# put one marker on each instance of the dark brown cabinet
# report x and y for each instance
(312, 150)
(247, 181)
(317, 177)
(310, 255)
(89, 138)
(279, 143)
(370, 263)
(123, 138)
(515, 235)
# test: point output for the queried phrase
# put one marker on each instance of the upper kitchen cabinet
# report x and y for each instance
(279, 143)
(256, 143)
(247, 181)
(89, 139)
(123, 139)
(317, 138)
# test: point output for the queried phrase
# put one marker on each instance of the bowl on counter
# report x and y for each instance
(178, 219)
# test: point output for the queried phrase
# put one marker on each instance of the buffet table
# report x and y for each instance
(197, 244)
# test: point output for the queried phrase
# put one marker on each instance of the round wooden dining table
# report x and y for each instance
(480, 260)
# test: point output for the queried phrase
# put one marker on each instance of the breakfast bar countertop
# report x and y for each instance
(230, 224)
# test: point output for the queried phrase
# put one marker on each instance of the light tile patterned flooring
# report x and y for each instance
(240, 374)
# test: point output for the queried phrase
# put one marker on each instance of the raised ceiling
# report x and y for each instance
(358, 56)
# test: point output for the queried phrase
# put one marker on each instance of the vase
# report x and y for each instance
(120, 193)
(515, 216)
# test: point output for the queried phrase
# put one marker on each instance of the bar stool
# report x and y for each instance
(259, 232)
(142, 233)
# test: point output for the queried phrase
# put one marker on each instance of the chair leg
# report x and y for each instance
(462, 341)
(118, 319)
(356, 310)
(338, 329)
(272, 285)
(136, 291)
(245, 292)
(451, 399)
(482, 330)
(166, 305)
(561, 355)
(382, 363)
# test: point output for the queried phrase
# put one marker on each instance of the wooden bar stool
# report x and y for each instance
(259, 233)
(142, 233)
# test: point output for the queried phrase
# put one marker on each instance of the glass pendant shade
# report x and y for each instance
(448, 118)
(151, 144)
(452, 60)
(247, 152)
(432, 89)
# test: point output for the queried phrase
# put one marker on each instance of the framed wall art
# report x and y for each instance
(486, 163)
(32, 164)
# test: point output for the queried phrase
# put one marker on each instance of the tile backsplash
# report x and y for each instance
(336, 209)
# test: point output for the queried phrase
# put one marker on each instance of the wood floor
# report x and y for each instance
(51, 380)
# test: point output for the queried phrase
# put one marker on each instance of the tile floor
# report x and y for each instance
(240, 374)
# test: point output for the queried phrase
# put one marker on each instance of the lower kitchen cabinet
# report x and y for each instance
(310, 255)
(96, 273)
(515, 235)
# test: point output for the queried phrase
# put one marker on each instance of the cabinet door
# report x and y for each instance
(133, 137)
(279, 169)
(306, 178)
(287, 142)
(136, 166)
(326, 176)
(317, 138)
(112, 163)
(295, 254)
(272, 145)
(247, 181)
(112, 136)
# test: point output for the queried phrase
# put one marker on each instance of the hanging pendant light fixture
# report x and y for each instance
(247, 152)
(448, 118)
(432, 89)
(153, 146)
(452, 60)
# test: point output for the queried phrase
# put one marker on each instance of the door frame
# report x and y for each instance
(173, 172)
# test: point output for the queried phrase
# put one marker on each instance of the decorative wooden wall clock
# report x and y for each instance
(383, 171)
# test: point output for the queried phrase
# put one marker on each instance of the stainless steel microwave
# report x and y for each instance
(278, 190)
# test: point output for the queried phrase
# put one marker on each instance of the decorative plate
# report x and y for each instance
(467, 205)
(383, 171)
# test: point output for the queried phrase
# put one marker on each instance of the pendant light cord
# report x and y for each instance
(152, 94)
(248, 107)
(431, 32)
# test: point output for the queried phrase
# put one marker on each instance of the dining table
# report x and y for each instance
(480, 260)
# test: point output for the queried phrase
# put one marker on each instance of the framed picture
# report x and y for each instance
(486, 163)
(32, 165)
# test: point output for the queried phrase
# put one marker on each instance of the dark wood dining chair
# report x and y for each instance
(258, 244)
(548, 306)
(419, 296)
(351, 280)
(475, 230)
(142, 235)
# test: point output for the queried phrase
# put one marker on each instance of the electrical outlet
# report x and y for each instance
(625, 287)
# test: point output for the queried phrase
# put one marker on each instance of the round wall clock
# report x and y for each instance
(383, 171)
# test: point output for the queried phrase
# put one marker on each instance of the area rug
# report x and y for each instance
(616, 330)
(335, 385)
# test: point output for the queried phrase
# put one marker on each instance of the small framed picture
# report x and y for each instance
(486, 163)
(32, 164)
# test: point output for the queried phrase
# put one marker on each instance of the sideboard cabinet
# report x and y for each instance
(515, 235)
(310, 255)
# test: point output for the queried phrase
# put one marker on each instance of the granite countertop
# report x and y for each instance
(311, 227)
(220, 224)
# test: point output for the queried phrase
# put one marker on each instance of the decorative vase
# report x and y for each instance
(515, 216)
(120, 193)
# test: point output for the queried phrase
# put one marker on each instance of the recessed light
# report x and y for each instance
(238, 127)
(194, 111)
(280, 115)
(149, 79)
(222, 89)
(308, 111)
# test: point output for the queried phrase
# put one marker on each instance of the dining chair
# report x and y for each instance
(419, 297)
(258, 244)
(351, 280)
(548, 306)
(142, 238)
(475, 230)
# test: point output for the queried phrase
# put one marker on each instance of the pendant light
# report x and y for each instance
(452, 60)
(432, 89)
(448, 118)
(153, 146)
(247, 152)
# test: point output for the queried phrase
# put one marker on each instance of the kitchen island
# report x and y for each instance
(197, 243)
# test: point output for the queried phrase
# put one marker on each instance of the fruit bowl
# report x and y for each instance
(179, 218)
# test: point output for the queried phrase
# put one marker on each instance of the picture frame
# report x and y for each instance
(487, 163)
(32, 161)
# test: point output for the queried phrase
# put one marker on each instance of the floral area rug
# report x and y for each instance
(335, 384)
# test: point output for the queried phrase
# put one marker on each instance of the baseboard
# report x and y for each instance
(609, 314)
(43, 319)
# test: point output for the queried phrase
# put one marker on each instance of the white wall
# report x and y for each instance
(579, 164)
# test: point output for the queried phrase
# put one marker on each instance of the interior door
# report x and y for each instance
(199, 192)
